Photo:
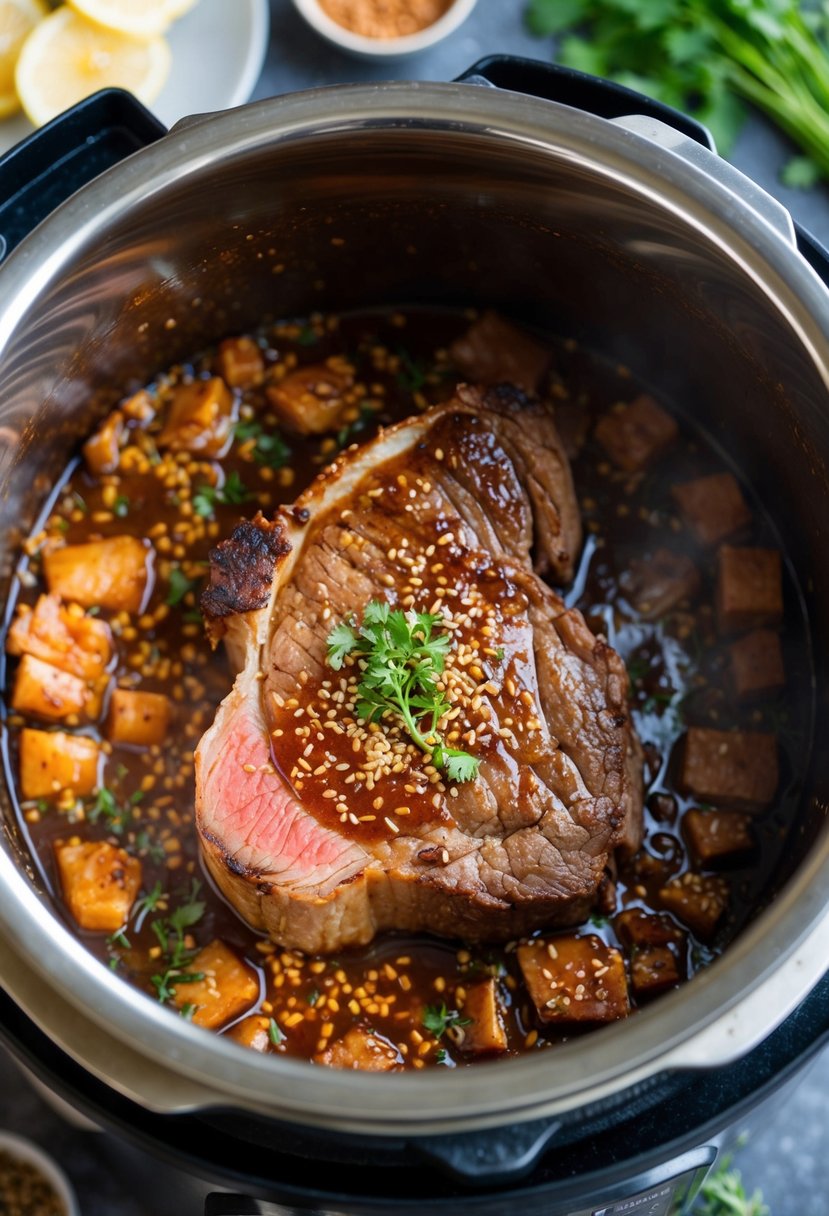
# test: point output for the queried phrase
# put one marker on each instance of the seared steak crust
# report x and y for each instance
(242, 568)
(323, 831)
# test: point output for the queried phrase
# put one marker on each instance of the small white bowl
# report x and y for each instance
(384, 48)
(32, 1154)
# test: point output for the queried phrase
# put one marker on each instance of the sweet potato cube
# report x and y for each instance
(100, 883)
(635, 434)
(313, 399)
(492, 351)
(51, 761)
(102, 451)
(140, 407)
(749, 589)
(47, 692)
(713, 507)
(659, 582)
(730, 768)
(757, 664)
(229, 986)
(717, 836)
(200, 418)
(485, 1032)
(111, 573)
(63, 636)
(137, 718)
(360, 1048)
(575, 979)
(252, 1032)
(698, 900)
(241, 362)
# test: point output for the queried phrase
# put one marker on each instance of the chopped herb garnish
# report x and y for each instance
(145, 844)
(119, 939)
(232, 493)
(440, 1056)
(307, 336)
(79, 502)
(180, 584)
(93, 610)
(437, 1019)
(499, 654)
(187, 1010)
(170, 932)
(269, 449)
(274, 1033)
(106, 806)
(148, 902)
(313, 997)
(412, 374)
(368, 410)
(599, 922)
(402, 659)
(121, 506)
(193, 617)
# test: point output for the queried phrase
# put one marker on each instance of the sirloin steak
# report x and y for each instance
(322, 829)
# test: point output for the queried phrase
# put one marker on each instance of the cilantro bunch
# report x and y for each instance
(709, 57)
(402, 660)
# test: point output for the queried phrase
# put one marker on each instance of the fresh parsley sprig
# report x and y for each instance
(233, 492)
(402, 658)
(107, 807)
(437, 1019)
(171, 932)
(723, 1194)
(709, 57)
(268, 447)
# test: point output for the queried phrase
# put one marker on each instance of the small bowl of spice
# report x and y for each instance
(31, 1184)
(384, 29)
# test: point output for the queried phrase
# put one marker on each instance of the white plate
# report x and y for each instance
(218, 51)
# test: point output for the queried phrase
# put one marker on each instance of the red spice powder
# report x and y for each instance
(385, 18)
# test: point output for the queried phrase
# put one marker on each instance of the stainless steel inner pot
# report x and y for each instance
(627, 240)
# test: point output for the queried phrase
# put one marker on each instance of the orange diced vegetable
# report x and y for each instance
(313, 399)
(240, 362)
(102, 451)
(100, 883)
(47, 692)
(51, 761)
(251, 1032)
(229, 986)
(140, 407)
(63, 636)
(360, 1048)
(200, 418)
(575, 979)
(137, 718)
(698, 900)
(485, 1032)
(111, 573)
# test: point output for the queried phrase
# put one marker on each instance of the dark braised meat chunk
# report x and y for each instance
(322, 826)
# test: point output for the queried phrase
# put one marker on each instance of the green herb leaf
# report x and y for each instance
(437, 1019)
(106, 806)
(269, 448)
(800, 173)
(119, 939)
(723, 1194)
(121, 506)
(307, 336)
(232, 493)
(148, 902)
(179, 585)
(313, 997)
(274, 1033)
(402, 658)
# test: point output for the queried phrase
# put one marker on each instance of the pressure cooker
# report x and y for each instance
(572, 205)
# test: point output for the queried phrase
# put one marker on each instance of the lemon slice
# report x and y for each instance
(141, 19)
(17, 20)
(66, 58)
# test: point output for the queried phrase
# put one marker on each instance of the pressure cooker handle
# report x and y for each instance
(661, 124)
(604, 98)
(42, 171)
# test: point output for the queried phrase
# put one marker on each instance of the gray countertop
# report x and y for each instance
(789, 1157)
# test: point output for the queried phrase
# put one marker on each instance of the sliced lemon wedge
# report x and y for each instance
(17, 20)
(141, 19)
(65, 58)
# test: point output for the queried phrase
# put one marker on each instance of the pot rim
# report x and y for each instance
(592, 1067)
